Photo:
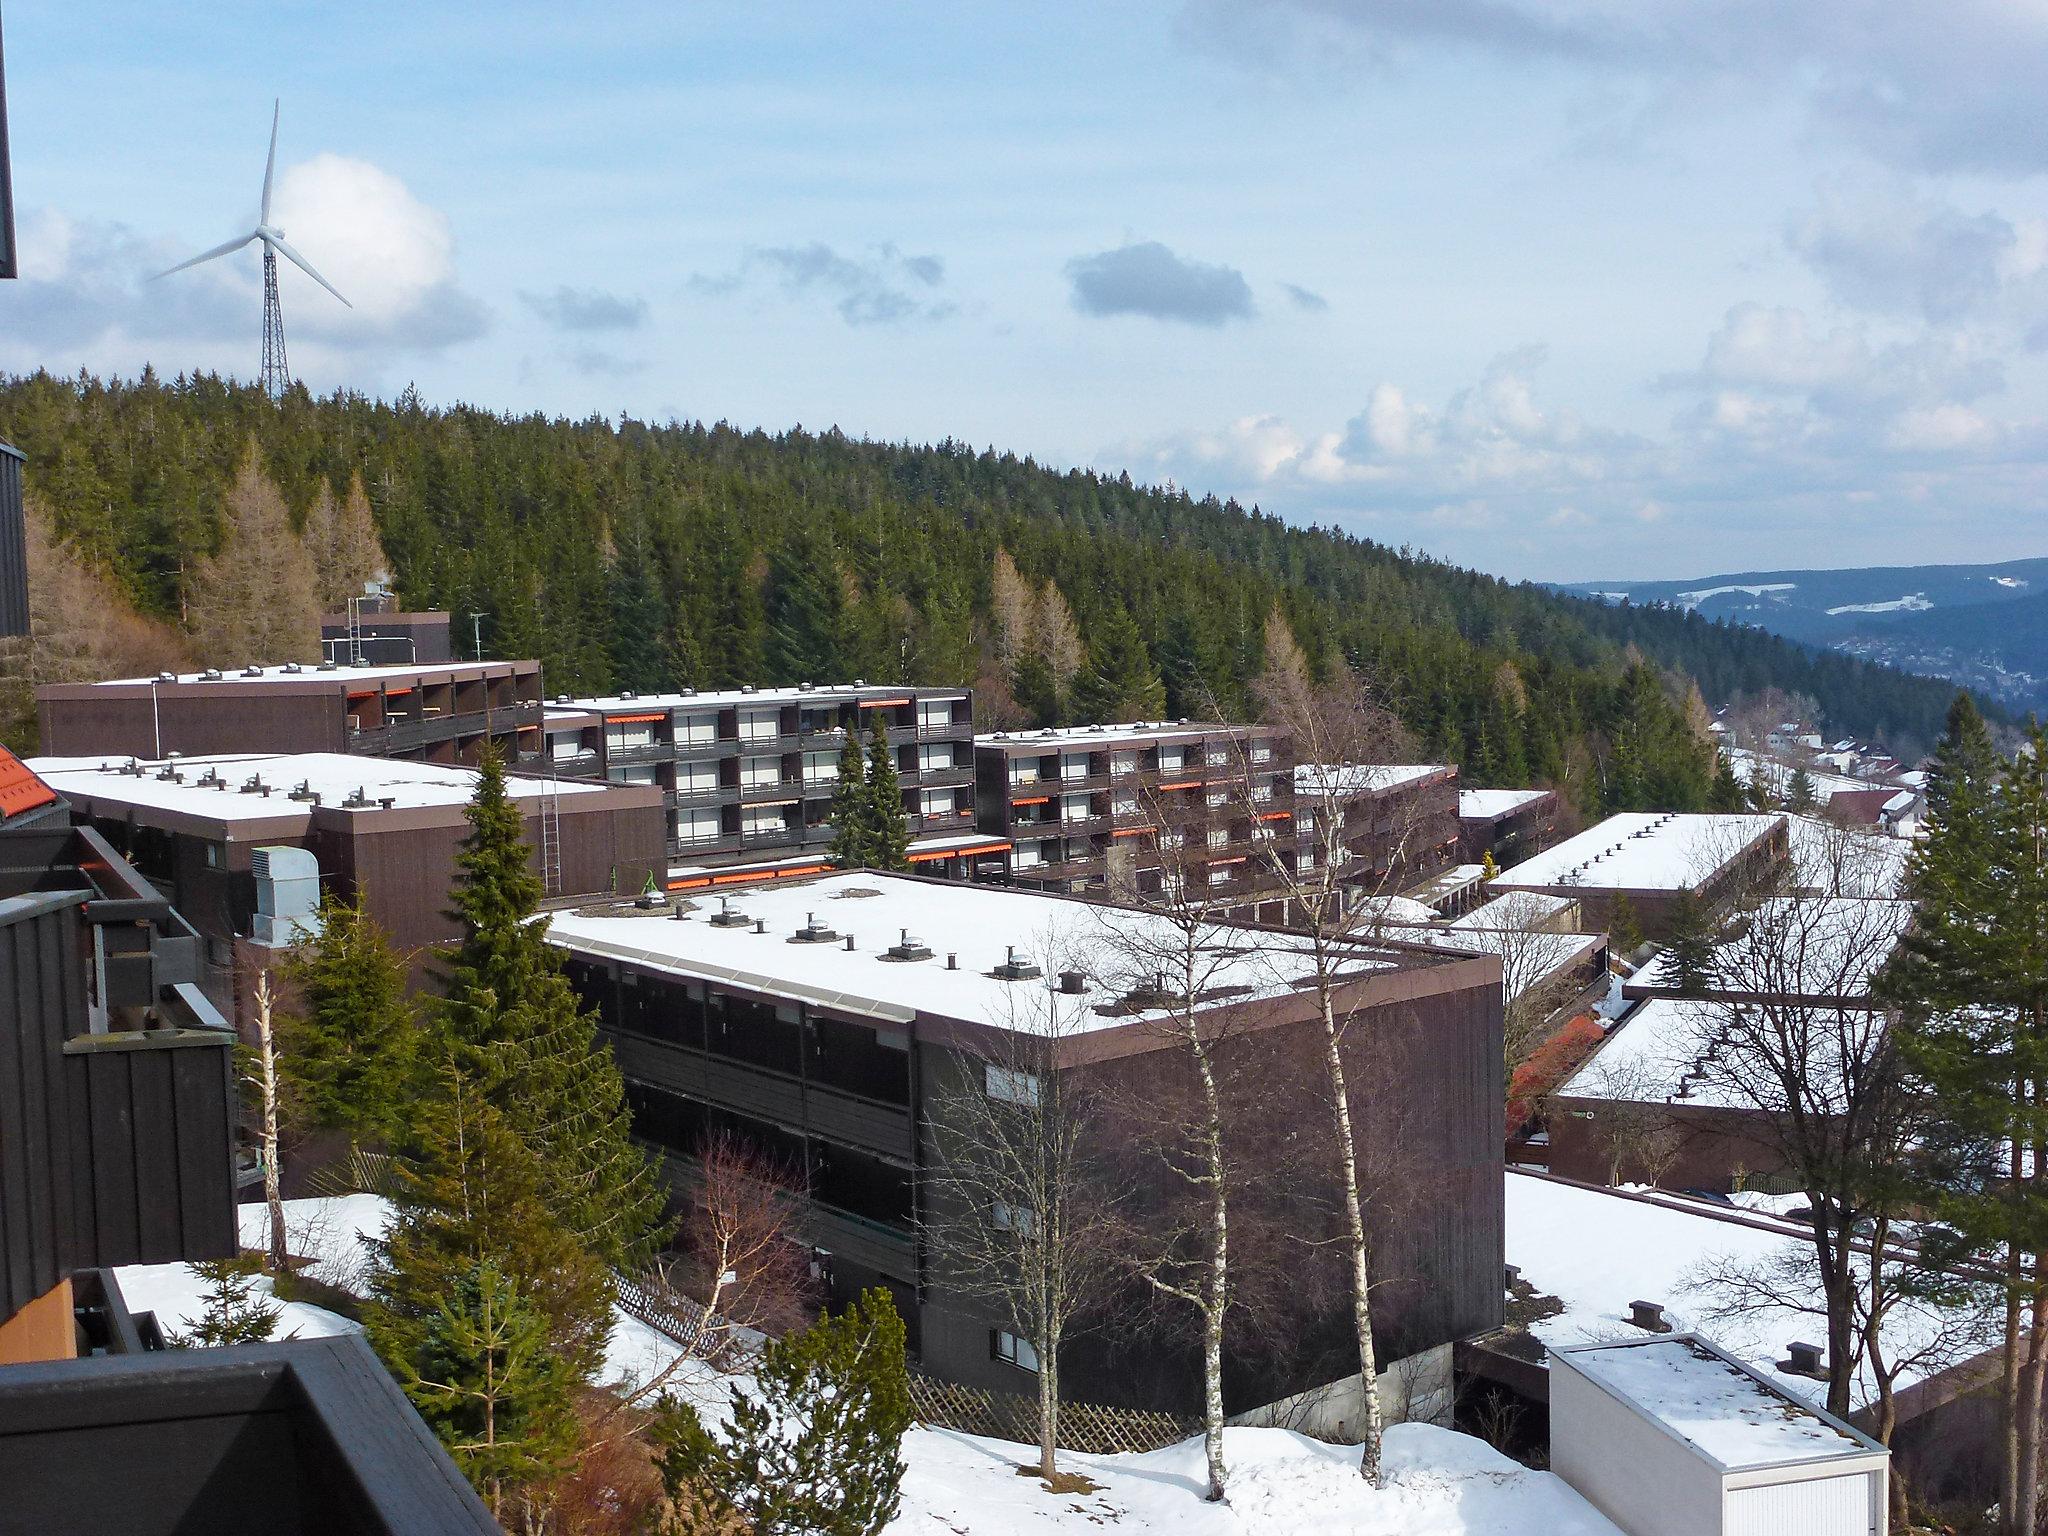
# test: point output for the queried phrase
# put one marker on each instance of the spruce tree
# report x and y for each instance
(814, 1446)
(235, 1311)
(853, 829)
(488, 1381)
(1690, 949)
(1624, 932)
(1727, 795)
(1800, 794)
(1118, 682)
(806, 638)
(351, 1057)
(1972, 986)
(519, 1033)
(472, 1192)
(888, 827)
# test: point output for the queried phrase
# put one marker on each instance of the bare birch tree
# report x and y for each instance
(1016, 1215)
(260, 1073)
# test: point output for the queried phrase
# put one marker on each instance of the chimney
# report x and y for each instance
(1648, 1316)
(1804, 1360)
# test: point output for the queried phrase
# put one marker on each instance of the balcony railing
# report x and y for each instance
(617, 756)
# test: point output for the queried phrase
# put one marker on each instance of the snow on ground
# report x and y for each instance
(176, 1294)
(1438, 1484)
(1699, 595)
(1912, 602)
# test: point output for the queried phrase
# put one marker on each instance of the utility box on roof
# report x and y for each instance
(1671, 1436)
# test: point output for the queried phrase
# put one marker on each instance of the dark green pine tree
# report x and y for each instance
(634, 636)
(853, 809)
(1118, 682)
(1690, 948)
(807, 618)
(1800, 794)
(517, 1030)
(814, 1445)
(1036, 688)
(1972, 987)
(351, 1058)
(476, 1266)
(1727, 795)
(488, 1381)
(234, 1311)
(888, 826)
(1624, 931)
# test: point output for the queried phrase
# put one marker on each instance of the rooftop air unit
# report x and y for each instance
(1015, 969)
(907, 948)
(287, 895)
(814, 932)
(729, 916)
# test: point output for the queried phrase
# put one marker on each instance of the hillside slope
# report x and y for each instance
(641, 556)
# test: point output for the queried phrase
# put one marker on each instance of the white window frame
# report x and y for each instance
(1005, 1217)
(1013, 1350)
(760, 724)
(1007, 1085)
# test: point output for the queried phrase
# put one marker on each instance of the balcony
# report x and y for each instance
(773, 837)
(780, 789)
(651, 752)
(709, 794)
(580, 764)
(955, 777)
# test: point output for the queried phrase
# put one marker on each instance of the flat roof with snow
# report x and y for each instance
(1517, 909)
(1114, 948)
(1595, 1251)
(1087, 737)
(1725, 1411)
(1492, 804)
(1823, 947)
(1360, 778)
(321, 674)
(231, 787)
(1642, 851)
(743, 698)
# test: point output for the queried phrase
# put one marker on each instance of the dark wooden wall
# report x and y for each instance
(114, 1149)
(195, 719)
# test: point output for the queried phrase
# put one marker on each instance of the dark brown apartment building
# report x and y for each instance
(1508, 825)
(244, 845)
(436, 713)
(747, 776)
(843, 1023)
(1400, 820)
(1127, 810)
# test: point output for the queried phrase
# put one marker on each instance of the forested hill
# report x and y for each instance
(634, 556)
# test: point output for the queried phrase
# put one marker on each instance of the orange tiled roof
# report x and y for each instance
(20, 790)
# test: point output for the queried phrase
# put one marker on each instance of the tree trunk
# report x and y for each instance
(1048, 1412)
(266, 1059)
(2028, 1476)
(1218, 1291)
(1354, 1215)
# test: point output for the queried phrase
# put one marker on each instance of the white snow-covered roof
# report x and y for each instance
(1830, 946)
(1360, 778)
(979, 924)
(1828, 860)
(309, 672)
(1516, 909)
(746, 698)
(1646, 1057)
(1777, 777)
(1598, 1250)
(1082, 738)
(1642, 851)
(1529, 957)
(1732, 1418)
(1491, 804)
(334, 776)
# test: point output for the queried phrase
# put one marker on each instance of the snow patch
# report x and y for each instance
(1699, 595)
(1912, 602)
(2007, 581)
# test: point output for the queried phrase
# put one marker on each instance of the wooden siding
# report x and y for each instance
(13, 531)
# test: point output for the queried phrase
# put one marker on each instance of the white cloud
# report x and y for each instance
(1947, 428)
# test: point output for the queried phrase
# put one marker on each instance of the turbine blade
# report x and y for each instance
(270, 164)
(306, 267)
(219, 250)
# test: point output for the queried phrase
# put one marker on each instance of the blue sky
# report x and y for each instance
(1558, 288)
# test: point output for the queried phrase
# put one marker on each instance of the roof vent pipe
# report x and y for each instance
(1649, 1316)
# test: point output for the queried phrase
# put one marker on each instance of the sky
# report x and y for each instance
(1561, 289)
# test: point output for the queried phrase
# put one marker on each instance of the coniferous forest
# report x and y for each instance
(628, 555)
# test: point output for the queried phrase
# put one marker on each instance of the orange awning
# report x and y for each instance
(1133, 832)
(395, 693)
(1185, 784)
(20, 789)
(1276, 816)
(1034, 800)
(954, 853)
(881, 703)
(659, 714)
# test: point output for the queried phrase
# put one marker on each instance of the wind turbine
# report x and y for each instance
(276, 372)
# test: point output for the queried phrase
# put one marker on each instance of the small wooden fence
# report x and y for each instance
(1090, 1428)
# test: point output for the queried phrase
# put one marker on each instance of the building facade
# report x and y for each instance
(832, 1023)
(1136, 811)
(748, 776)
(426, 713)
(1508, 825)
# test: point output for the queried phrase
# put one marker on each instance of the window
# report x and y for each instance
(696, 778)
(760, 770)
(1009, 1086)
(696, 826)
(937, 802)
(643, 774)
(1075, 808)
(1306, 861)
(821, 767)
(1121, 763)
(936, 759)
(1074, 765)
(932, 714)
(625, 736)
(1029, 855)
(564, 744)
(1172, 839)
(1172, 759)
(1125, 805)
(697, 730)
(1305, 822)
(1024, 771)
(760, 724)
(1013, 1218)
(1261, 753)
(1218, 757)
(1263, 790)
(1010, 1349)
(1219, 797)
(214, 859)
(1218, 836)
(1220, 876)
(764, 818)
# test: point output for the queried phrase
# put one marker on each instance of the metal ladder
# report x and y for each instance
(355, 631)
(551, 836)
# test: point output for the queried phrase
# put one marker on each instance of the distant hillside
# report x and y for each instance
(635, 555)
(1978, 625)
